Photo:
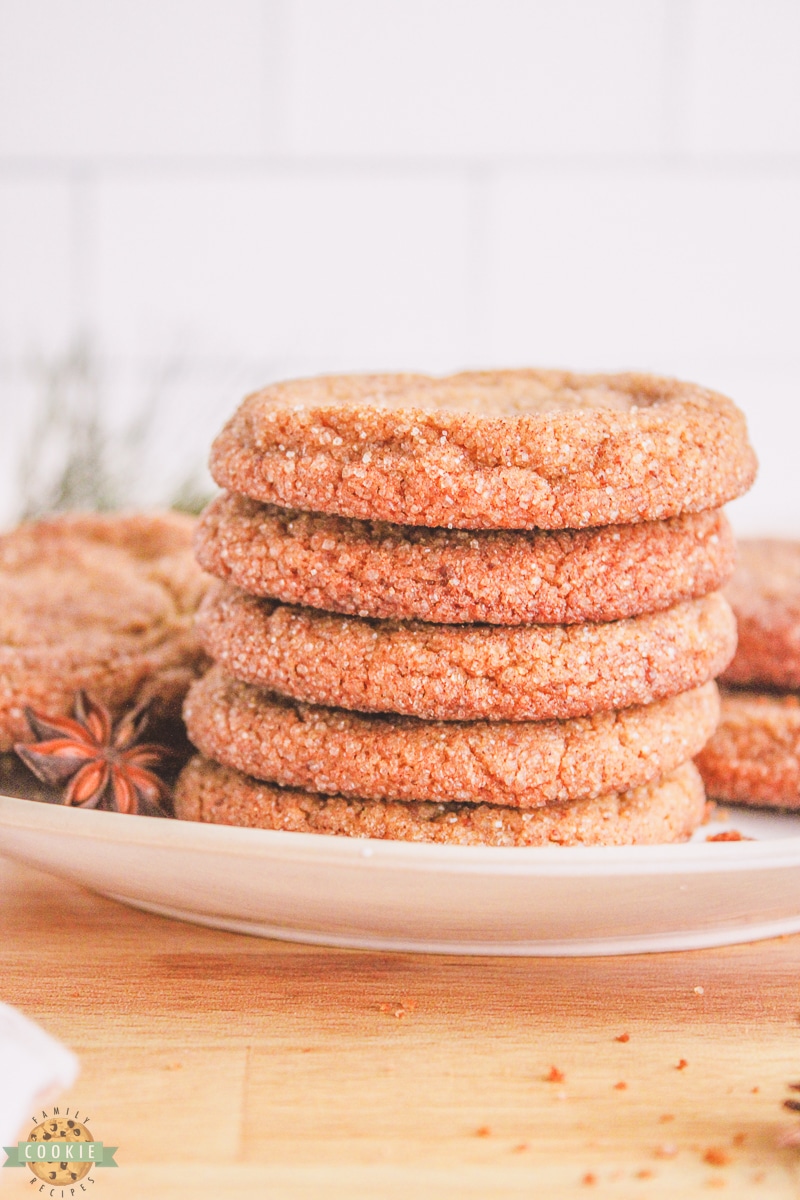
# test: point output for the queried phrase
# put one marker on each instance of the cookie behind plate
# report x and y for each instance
(103, 603)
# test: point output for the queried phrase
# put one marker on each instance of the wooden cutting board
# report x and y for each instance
(228, 1066)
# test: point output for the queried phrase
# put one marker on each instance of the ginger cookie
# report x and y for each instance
(765, 595)
(376, 757)
(103, 603)
(666, 810)
(488, 449)
(754, 757)
(466, 672)
(406, 572)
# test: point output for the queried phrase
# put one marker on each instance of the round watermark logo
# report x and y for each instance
(61, 1151)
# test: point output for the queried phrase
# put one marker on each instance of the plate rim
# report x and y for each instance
(158, 833)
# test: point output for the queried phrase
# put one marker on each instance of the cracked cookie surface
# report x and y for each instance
(520, 763)
(754, 756)
(488, 449)
(104, 603)
(466, 672)
(402, 572)
(665, 810)
(765, 595)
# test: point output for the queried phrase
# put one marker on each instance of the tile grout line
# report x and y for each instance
(676, 162)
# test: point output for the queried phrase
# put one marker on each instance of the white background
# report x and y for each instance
(204, 195)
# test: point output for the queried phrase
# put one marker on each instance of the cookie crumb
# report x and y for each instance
(520, 1148)
(589, 1179)
(729, 835)
(623, 1037)
(621, 1086)
(666, 1117)
(400, 1009)
(554, 1076)
(754, 1091)
(715, 1156)
(682, 1065)
(645, 1173)
(483, 1131)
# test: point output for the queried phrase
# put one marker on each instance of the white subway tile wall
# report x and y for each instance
(668, 264)
(476, 77)
(116, 78)
(743, 77)
(349, 268)
(209, 194)
(37, 267)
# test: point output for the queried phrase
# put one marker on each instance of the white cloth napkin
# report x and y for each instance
(34, 1070)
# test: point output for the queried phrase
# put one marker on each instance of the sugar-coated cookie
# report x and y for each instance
(501, 577)
(754, 756)
(488, 449)
(378, 757)
(466, 672)
(765, 595)
(665, 810)
(103, 603)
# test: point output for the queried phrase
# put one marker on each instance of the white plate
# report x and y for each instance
(442, 899)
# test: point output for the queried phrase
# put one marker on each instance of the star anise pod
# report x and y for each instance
(102, 764)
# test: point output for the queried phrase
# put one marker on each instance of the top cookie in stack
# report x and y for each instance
(551, 682)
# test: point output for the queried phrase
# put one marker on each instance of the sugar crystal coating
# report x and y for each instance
(754, 756)
(665, 810)
(524, 763)
(765, 595)
(488, 450)
(104, 603)
(375, 569)
(466, 672)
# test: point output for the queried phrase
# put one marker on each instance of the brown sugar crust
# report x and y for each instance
(488, 449)
(765, 595)
(466, 672)
(754, 757)
(104, 603)
(406, 572)
(377, 757)
(666, 810)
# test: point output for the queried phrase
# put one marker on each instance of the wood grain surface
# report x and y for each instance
(228, 1066)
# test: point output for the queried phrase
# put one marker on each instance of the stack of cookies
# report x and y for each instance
(754, 757)
(481, 609)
